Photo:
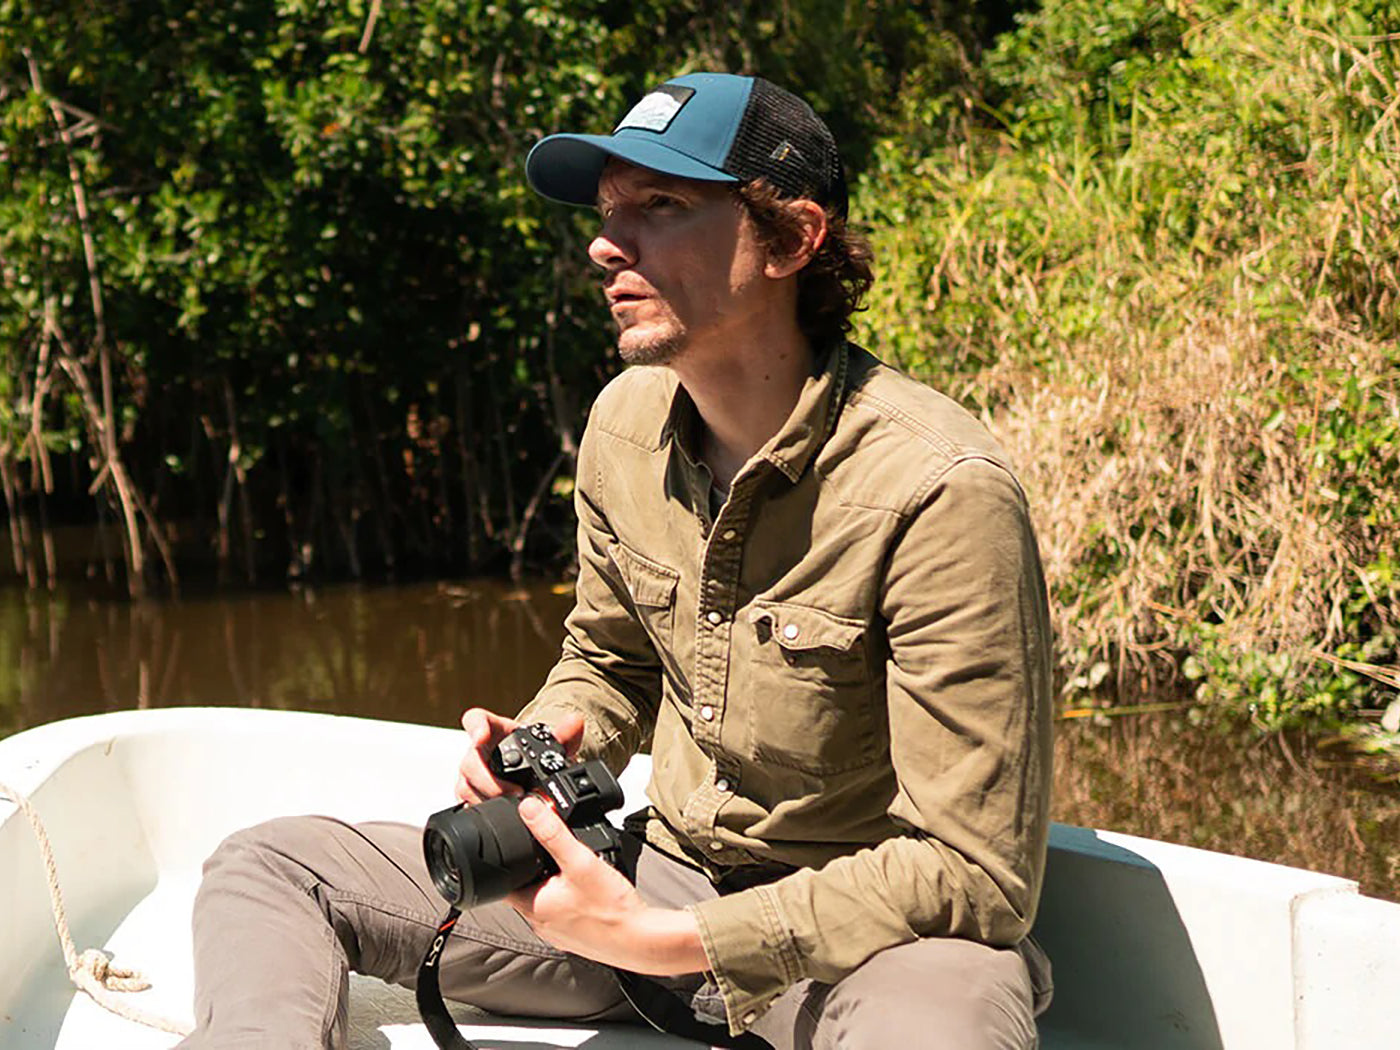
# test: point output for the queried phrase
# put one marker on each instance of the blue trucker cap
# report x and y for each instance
(715, 127)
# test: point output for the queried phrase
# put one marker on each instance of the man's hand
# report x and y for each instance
(485, 729)
(591, 909)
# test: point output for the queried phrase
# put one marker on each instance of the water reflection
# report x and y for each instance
(418, 653)
(1276, 798)
(422, 653)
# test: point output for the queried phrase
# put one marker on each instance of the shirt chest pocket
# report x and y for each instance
(652, 588)
(815, 702)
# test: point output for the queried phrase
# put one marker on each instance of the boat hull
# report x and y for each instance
(1155, 946)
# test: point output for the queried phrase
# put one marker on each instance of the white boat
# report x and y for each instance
(1155, 946)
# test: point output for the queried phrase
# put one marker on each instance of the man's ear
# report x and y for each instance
(809, 237)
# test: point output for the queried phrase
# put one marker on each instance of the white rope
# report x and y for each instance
(92, 971)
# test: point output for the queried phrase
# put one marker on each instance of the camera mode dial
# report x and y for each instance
(527, 756)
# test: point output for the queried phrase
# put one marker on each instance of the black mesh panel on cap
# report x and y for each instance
(782, 140)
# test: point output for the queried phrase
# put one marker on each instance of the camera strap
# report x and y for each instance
(667, 1012)
(429, 994)
(662, 1008)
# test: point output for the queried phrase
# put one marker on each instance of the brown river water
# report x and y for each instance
(423, 652)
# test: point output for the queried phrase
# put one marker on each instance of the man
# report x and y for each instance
(808, 582)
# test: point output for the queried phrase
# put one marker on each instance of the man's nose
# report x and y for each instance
(612, 248)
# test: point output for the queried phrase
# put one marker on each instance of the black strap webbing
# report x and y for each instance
(668, 1012)
(430, 1005)
(664, 1009)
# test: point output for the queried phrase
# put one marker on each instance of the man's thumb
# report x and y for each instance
(550, 831)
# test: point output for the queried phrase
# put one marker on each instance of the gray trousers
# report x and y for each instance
(288, 908)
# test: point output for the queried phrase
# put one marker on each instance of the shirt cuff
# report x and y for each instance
(751, 951)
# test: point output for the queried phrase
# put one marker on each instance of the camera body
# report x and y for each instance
(479, 853)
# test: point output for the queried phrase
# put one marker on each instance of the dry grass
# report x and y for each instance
(1161, 480)
(1181, 318)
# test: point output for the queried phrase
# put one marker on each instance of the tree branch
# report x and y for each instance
(370, 22)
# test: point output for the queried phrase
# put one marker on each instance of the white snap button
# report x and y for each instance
(721, 784)
(714, 618)
(707, 713)
(729, 534)
(750, 1017)
(716, 845)
(790, 631)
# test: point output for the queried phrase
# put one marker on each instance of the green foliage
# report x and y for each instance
(1161, 255)
(331, 330)
(336, 313)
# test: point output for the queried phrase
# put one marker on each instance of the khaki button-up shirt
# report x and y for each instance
(843, 674)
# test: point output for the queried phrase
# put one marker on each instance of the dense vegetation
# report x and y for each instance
(277, 301)
(271, 274)
(1163, 253)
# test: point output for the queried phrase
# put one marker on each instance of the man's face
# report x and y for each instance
(682, 267)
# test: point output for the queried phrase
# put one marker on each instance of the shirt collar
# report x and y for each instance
(791, 449)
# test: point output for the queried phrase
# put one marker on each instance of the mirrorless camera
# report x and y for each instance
(478, 853)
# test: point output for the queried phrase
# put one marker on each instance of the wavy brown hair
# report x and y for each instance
(832, 286)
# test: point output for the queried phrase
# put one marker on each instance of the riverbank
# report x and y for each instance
(1159, 257)
(1153, 243)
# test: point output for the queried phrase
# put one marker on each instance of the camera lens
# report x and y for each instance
(478, 854)
(447, 877)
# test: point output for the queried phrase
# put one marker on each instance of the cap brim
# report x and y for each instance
(566, 168)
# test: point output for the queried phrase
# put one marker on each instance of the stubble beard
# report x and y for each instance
(661, 348)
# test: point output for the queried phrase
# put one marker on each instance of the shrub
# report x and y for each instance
(1163, 262)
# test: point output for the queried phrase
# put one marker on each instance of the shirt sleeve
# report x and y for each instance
(608, 670)
(968, 691)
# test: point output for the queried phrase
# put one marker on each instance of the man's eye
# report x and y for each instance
(660, 200)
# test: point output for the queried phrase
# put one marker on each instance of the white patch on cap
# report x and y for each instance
(656, 111)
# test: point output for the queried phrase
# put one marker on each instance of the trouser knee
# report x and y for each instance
(936, 994)
(285, 849)
(296, 874)
(973, 1019)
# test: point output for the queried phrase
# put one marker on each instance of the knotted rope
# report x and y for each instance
(91, 971)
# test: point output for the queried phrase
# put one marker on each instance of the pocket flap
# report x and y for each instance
(648, 582)
(799, 627)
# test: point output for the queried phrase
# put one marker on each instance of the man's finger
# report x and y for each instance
(569, 732)
(484, 730)
(481, 725)
(474, 779)
(554, 835)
